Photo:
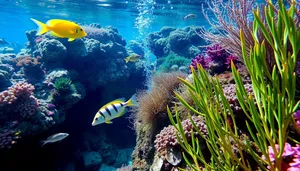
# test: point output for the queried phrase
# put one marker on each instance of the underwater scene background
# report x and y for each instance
(105, 85)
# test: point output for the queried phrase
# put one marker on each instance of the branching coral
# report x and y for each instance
(215, 59)
(230, 18)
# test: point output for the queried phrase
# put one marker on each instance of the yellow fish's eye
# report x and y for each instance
(81, 29)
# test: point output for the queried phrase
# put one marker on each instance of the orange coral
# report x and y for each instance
(27, 60)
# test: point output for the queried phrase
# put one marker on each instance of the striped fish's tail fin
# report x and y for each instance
(132, 101)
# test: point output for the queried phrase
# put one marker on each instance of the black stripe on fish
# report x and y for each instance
(107, 110)
(115, 108)
(102, 114)
(121, 104)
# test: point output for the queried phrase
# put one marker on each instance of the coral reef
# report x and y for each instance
(173, 62)
(50, 75)
(215, 59)
(151, 116)
(182, 42)
(166, 139)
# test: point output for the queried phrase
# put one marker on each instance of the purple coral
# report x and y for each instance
(167, 137)
(298, 68)
(230, 58)
(27, 107)
(8, 138)
(297, 118)
(216, 53)
(199, 59)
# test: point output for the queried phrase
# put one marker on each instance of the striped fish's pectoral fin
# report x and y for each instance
(121, 100)
(108, 122)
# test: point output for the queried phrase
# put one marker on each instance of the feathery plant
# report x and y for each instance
(64, 85)
(270, 108)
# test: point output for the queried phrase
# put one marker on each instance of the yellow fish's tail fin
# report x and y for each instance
(43, 28)
(126, 60)
(132, 101)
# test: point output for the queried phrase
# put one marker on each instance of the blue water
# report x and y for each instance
(132, 18)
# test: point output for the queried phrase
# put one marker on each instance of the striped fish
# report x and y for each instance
(112, 110)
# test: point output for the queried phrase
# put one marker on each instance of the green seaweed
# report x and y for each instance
(269, 109)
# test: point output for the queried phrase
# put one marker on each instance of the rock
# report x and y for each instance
(174, 68)
(173, 156)
(123, 157)
(91, 158)
(8, 50)
(57, 73)
(52, 51)
(105, 167)
(184, 69)
(157, 163)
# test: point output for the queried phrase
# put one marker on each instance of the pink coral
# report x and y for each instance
(297, 118)
(19, 89)
(230, 94)
(167, 137)
(288, 152)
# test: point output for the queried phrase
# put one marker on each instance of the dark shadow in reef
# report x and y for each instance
(28, 155)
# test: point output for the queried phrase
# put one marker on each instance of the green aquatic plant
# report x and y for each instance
(269, 109)
(165, 64)
(64, 86)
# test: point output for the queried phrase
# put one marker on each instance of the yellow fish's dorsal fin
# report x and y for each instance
(56, 35)
(127, 59)
(43, 28)
(120, 100)
(108, 122)
(71, 39)
(53, 22)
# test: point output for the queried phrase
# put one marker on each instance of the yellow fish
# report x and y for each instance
(61, 29)
(132, 58)
(112, 110)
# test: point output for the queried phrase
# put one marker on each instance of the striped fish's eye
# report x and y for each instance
(96, 119)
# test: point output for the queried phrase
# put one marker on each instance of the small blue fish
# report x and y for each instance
(54, 138)
(112, 110)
